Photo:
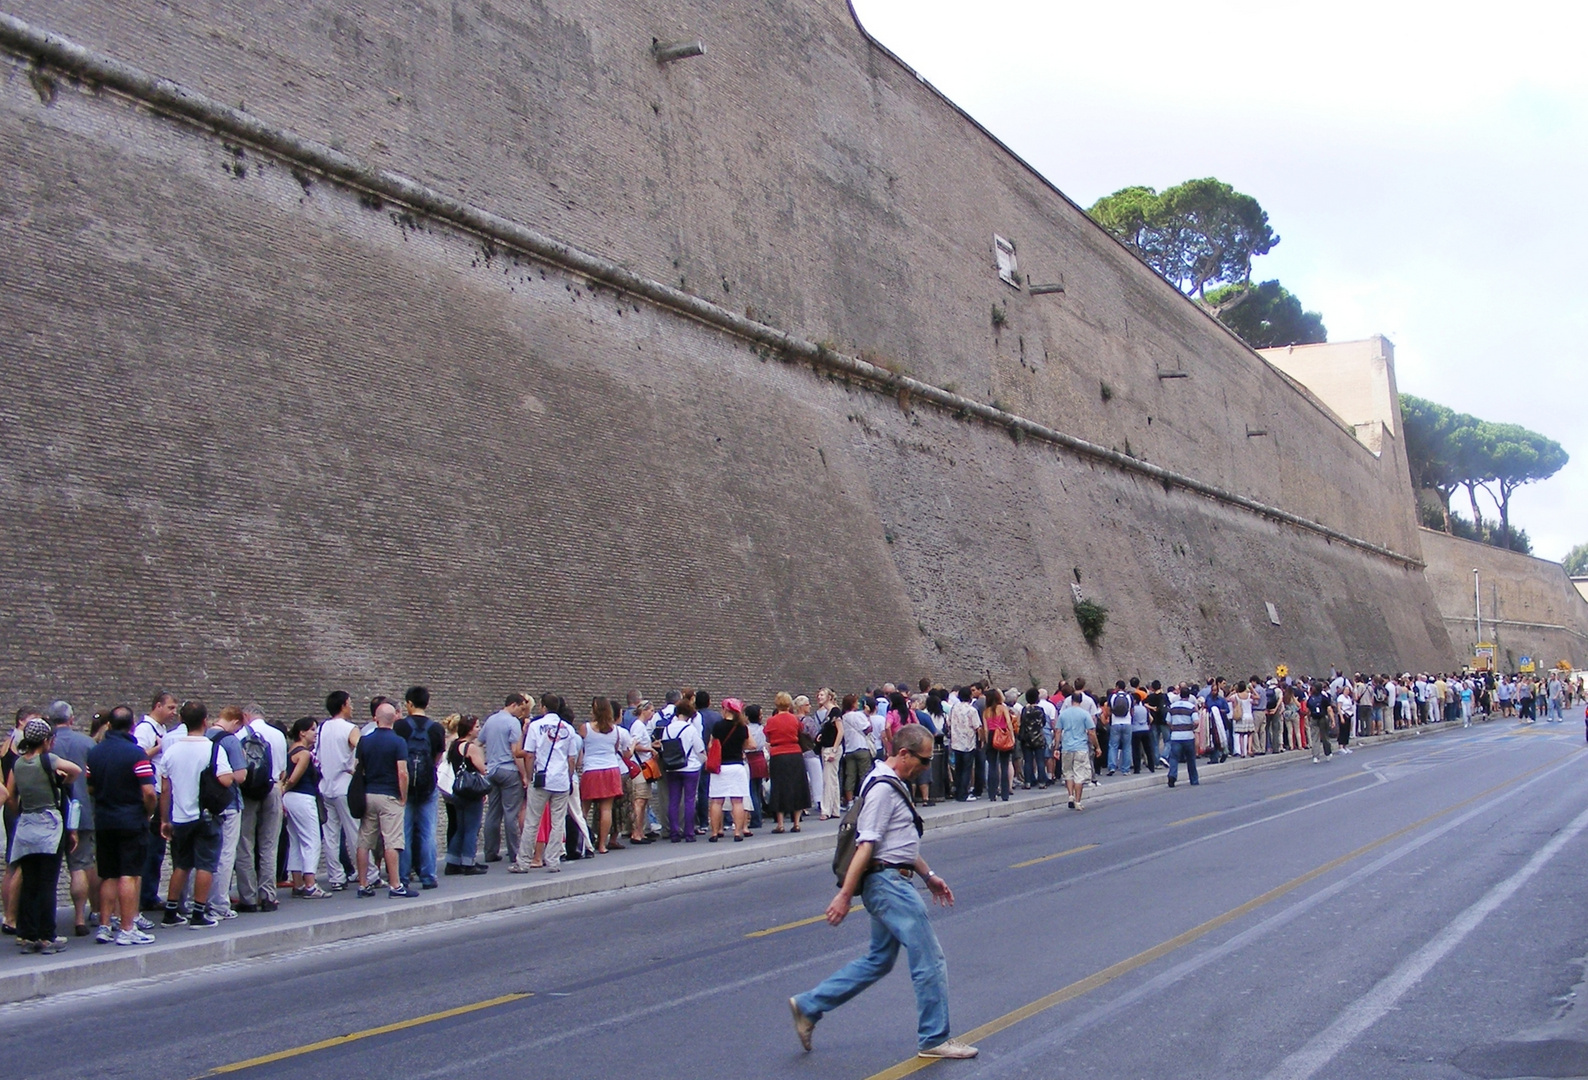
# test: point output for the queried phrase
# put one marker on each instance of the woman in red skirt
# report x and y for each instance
(606, 751)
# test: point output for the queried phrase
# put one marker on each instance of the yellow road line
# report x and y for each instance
(856, 906)
(1050, 858)
(1286, 794)
(1199, 817)
(384, 1029)
(1157, 952)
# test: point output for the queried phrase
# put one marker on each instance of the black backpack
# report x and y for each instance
(674, 757)
(421, 759)
(1031, 720)
(1119, 705)
(261, 773)
(214, 797)
(850, 823)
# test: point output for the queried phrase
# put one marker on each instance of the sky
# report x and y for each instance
(1423, 164)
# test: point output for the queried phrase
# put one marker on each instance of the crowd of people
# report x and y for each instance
(242, 809)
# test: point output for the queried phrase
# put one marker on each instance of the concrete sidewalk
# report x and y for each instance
(301, 923)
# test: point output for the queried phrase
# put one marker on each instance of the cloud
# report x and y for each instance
(1422, 169)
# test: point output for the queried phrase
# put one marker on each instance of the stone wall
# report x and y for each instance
(1530, 607)
(265, 436)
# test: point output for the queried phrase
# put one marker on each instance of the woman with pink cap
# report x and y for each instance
(731, 782)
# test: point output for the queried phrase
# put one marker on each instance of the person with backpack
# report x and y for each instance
(1032, 740)
(1119, 708)
(197, 781)
(885, 831)
(1320, 718)
(259, 828)
(223, 731)
(37, 791)
(683, 755)
(427, 743)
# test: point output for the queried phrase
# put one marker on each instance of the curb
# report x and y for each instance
(100, 969)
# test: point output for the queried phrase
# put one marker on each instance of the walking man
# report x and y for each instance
(886, 860)
(1078, 746)
(1183, 735)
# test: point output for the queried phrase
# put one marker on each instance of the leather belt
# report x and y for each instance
(907, 871)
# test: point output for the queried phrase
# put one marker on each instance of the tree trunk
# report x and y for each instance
(1505, 515)
(1477, 515)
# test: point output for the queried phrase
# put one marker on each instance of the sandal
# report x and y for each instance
(614, 846)
(795, 829)
(777, 830)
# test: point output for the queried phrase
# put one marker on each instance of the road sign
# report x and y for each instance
(1526, 665)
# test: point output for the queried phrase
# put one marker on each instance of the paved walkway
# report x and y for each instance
(305, 922)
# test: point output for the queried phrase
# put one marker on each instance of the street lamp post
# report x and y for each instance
(1477, 604)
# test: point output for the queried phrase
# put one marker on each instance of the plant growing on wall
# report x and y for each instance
(1091, 616)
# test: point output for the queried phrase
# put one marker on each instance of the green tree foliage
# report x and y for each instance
(1195, 234)
(1447, 450)
(1576, 561)
(1486, 534)
(1266, 315)
(1426, 426)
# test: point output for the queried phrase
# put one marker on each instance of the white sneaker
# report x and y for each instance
(105, 935)
(133, 937)
(957, 1051)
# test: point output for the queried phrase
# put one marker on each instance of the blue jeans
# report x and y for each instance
(465, 839)
(1035, 765)
(1183, 750)
(898, 917)
(1119, 746)
(419, 840)
(964, 773)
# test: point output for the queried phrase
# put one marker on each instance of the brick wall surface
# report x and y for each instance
(261, 438)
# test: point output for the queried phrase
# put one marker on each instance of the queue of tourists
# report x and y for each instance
(189, 817)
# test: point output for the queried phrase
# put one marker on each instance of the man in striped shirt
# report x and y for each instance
(1183, 734)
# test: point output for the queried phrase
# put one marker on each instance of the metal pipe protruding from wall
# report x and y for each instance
(668, 51)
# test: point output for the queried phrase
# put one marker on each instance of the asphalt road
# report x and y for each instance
(1412, 910)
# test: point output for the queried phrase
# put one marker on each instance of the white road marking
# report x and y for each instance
(1371, 1007)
